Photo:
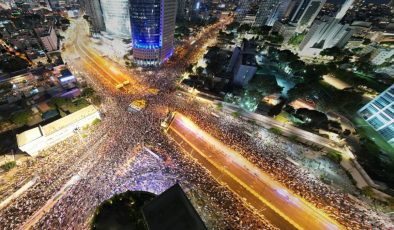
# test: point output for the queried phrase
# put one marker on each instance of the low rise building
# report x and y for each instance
(37, 139)
(379, 56)
(243, 63)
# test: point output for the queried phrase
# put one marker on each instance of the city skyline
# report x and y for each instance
(196, 114)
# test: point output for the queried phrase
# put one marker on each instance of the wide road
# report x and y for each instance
(281, 206)
(109, 73)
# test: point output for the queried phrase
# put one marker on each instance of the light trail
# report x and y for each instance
(284, 202)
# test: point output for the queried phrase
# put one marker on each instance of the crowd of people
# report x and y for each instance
(269, 154)
(113, 158)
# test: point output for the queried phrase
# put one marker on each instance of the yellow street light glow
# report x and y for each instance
(309, 210)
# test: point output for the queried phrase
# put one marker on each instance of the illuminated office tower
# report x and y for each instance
(153, 26)
(181, 9)
(379, 113)
(242, 10)
(271, 11)
(304, 15)
(116, 17)
(327, 33)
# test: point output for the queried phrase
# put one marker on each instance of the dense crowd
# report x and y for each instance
(270, 153)
(113, 158)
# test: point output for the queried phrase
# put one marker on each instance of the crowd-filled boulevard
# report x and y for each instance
(130, 151)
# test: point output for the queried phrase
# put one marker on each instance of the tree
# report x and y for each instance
(199, 71)
(275, 39)
(263, 85)
(243, 28)
(189, 68)
(300, 90)
(183, 30)
(287, 56)
(367, 191)
(232, 26)
(59, 101)
(88, 92)
(333, 51)
(96, 100)
(5, 87)
(216, 60)
(276, 109)
(297, 39)
(21, 118)
(312, 118)
(367, 41)
(297, 66)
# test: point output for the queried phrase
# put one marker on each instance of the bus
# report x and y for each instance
(118, 86)
(137, 105)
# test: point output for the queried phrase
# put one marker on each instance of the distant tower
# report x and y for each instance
(153, 26)
(327, 33)
(181, 9)
(305, 14)
(242, 9)
(93, 10)
(271, 11)
(116, 17)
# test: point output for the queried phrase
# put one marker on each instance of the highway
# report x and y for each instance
(281, 206)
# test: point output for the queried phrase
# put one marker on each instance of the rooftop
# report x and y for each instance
(35, 133)
(68, 120)
(172, 210)
(28, 136)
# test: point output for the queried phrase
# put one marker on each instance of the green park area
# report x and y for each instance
(297, 39)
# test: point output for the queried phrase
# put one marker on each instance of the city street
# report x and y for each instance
(113, 160)
(247, 180)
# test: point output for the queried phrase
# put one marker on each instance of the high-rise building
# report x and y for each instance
(304, 15)
(181, 9)
(116, 17)
(271, 11)
(379, 113)
(278, 13)
(242, 9)
(93, 10)
(291, 8)
(48, 38)
(266, 9)
(327, 33)
(153, 26)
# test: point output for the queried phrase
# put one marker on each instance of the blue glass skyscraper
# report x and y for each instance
(152, 26)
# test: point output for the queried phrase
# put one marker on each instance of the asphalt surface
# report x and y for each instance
(279, 205)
